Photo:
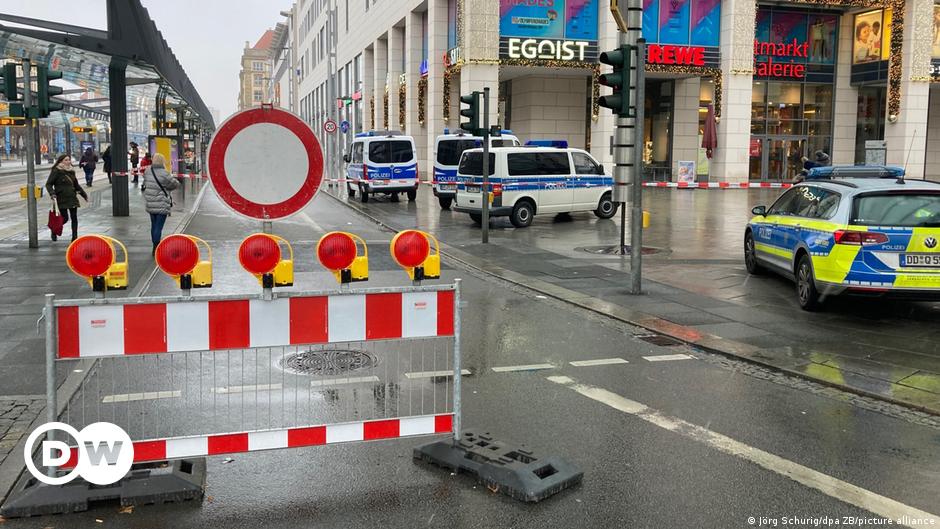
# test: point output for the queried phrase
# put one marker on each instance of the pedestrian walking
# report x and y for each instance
(106, 156)
(64, 189)
(145, 162)
(89, 163)
(822, 158)
(134, 153)
(156, 186)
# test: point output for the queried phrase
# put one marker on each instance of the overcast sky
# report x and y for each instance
(207, 36)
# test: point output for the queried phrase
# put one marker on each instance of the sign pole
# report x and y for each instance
(486, 165)
(33, 223)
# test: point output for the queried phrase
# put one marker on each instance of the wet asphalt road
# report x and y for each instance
(637, 474)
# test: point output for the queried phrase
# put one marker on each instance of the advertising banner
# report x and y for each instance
(684, 22)
(549, 19)
(868, 36)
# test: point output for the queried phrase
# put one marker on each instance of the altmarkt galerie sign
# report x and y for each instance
(777, 59)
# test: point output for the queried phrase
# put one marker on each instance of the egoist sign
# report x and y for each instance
(549, 49)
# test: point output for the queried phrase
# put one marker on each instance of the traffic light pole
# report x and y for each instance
(32, 221)
(636, 209)
(486, 165)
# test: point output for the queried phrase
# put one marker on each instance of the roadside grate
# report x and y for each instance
(327, 362)
(659, 339)
(616, 250)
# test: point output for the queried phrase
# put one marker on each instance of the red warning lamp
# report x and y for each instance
(259, 254)
(410, 248)
(338, 252)
(177, 255)
(90, 256)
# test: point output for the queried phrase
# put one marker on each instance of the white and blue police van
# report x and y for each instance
(533, 179)
(382, 162)
(447, 150)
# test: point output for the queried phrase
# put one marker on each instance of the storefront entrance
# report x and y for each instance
(776, 157)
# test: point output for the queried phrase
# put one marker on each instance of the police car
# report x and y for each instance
(382, 162)
(528, 180)
(856, 230)
(448, 148)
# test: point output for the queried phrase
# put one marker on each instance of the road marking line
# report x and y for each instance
(828, 485)
(147, 395)
(435, 374)
(343, 381)
(598, 362)
(227, 390)
(668, 358)
(530, 367)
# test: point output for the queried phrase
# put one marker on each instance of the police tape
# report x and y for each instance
(177, 175)
(720, 185)
(359, 180)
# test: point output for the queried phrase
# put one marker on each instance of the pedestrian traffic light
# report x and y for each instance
(472, 112)
(46, 91)
(618, 80)
(8, 88)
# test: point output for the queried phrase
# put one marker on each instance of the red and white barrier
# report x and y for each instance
(131, 328)
(177, 175)
(233, 443)
(720, 185)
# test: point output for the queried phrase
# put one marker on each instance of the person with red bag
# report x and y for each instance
(64, 189)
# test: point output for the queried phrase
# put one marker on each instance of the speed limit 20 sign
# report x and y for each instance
(329, 126)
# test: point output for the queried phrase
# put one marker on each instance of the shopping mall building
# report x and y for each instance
(786, 78)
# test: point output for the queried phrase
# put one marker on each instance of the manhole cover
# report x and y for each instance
(327, 362)
(616, 250)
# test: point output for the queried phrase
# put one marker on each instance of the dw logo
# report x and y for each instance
(105, 453)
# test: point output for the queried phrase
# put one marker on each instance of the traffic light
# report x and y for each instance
(9, 82)
(46, 91)
(619, 80)
(473, 112)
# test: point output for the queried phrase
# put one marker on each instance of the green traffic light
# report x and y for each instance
(618, 80)
(473, 112)
(46, 91)
(9, 82)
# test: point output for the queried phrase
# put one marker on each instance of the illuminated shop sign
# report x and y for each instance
(681, 55)
(774, 52)
(547, 49)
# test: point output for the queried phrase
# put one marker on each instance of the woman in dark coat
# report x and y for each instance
(64, 188)
(106, 156)
(89, 163)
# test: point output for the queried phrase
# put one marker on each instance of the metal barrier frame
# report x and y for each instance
(50, 315)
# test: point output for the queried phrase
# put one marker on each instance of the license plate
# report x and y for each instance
(473, 189)
(921, 259)
(448, 187)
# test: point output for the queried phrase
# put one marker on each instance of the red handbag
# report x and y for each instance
(55, 221)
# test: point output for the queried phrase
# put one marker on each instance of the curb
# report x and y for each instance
(11, 469)
(708, 342)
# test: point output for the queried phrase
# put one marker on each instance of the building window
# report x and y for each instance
(258, 95)
(257, 80)
(257, 66)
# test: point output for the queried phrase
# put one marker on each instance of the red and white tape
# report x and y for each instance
(177, 175)
(720, 185)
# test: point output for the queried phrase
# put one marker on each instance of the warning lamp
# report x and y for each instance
(179, 257)
(260, 255)
(411, 249)
(93, 257)
(338, 253)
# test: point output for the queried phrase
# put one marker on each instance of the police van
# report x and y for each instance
(530, 180)
(382, 162)
(447, 150)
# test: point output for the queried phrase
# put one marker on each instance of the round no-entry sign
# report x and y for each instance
(265, 163)
(329, 126)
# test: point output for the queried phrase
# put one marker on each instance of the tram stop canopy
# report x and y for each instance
(126, 75)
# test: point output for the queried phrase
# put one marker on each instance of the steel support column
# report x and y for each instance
(117, 87)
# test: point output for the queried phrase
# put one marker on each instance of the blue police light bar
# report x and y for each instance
(855, 171)
(505, 131)
(446, 131)
(561, 144)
